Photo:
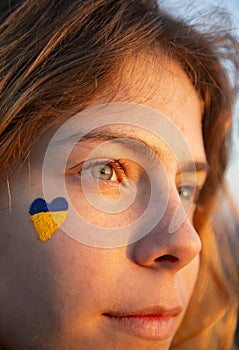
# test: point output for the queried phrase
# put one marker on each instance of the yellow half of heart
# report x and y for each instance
(47, 223)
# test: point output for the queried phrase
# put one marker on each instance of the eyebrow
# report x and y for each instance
(105, 135)
(121, 138)
(191, 166)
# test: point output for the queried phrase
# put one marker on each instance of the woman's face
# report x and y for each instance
(69, 293)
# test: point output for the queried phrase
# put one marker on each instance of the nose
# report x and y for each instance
(167, 248)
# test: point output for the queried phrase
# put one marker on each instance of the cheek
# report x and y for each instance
(45, 287)
(107, 207)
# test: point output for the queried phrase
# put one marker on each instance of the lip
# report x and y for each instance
(152, 323)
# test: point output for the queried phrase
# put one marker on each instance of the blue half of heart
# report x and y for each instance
(39, 205)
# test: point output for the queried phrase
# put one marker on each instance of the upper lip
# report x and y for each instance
(156, 310)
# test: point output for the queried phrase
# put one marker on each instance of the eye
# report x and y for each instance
(189, 193)
(103, 172)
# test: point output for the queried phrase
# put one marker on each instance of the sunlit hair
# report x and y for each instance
(56, 56)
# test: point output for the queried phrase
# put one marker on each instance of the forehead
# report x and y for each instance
(161, 84)
(164, 88)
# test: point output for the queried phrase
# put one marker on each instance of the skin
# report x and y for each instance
(55, 295)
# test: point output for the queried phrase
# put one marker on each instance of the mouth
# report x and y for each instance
(153, 323)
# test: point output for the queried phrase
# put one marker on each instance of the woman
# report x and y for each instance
(148, 104)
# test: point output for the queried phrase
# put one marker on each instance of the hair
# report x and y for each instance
(58, 55)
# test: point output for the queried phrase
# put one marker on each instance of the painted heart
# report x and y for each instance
(48, 217)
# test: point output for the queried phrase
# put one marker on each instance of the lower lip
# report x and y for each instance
(152, 327)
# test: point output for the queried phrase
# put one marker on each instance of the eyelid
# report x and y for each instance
(196, 179)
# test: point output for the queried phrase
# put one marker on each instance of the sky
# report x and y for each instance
(192, 9)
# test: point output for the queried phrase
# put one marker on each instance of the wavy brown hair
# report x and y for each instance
(57, 55)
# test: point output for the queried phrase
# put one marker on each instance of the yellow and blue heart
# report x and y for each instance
(48, 217)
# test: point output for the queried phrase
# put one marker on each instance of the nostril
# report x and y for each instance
(167, 257)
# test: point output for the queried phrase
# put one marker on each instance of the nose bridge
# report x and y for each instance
(175, 214)
(178, 231)
(174, 239)
(171, 207)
